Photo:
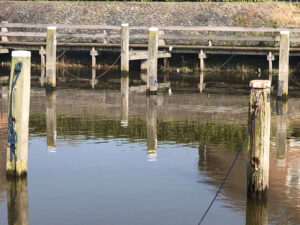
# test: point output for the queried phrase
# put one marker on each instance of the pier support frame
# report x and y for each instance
(19, 103)
(259, 145)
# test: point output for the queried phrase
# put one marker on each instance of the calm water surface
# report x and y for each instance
(110, 155)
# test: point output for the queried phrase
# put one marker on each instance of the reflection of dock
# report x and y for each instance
(51, 119)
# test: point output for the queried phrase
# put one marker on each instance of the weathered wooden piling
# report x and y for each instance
(42, 53)
(51, 57)
(19, 103)
(94, 53)
(17, 200)
(283, 79)
(51, 119)
(259, 145)
(124, 100)
(202, 56)
(124, 48)
(152, 83)
(281, 132)
(161, 41)
(4, 30)
(270, 58)
(152, 127)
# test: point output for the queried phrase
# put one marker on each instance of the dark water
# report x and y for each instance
(108, 156)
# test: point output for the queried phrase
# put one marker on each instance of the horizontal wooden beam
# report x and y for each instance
(4, 51)
(140, 55)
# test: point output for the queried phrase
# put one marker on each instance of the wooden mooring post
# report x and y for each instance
(283, 79)
(19, 103)
(124, 48)
(202, 56)
(51, 57)
(270, 58)
(259, 145)
(152, 83)
(94, 53)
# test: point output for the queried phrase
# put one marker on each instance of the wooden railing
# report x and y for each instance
(193, 35)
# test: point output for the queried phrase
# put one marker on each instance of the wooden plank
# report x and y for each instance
(141, 55)
(4, 51)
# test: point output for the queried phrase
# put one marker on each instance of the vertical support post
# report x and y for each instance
(4, 30)
(42, 53)
(152, 127)
(202, 56)
(281, 142)
(93, 53)
(19, 103)
(283, 79)
(51, 57)
(152, 83)
(105, 39)
(144, 65)
(270, 58)
(124, 100)
(51, 119)
(17, 200)
(259, 146)
(124, 48)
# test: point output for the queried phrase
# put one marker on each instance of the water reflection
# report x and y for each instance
(257, 212)
(281, 134)
(201, 84)
(17, 201)
(94, 81)
(124, 100)
(152, 127)
(51, 119)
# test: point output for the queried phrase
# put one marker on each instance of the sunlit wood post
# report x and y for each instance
(42, 53)
(152, 83)
(51, 57)
(4, 30)
(105, 39)
(124, 48)
(17, 201)
(270, 58)
(124, 100)
(94, 53)
(259, 145)
(283, 79)
(202, 56)
(152, 127)
(51, 119)
(19, 103)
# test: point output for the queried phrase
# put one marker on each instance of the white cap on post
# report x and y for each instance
(51, 28)
(153, 29)
(260, 84)
(125, 25)
(21, 54)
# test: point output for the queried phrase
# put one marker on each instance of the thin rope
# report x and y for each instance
(12, 134)
(61, 55)
(109, 68)
(229, 171)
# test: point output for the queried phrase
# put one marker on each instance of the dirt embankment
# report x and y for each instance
(147, 14)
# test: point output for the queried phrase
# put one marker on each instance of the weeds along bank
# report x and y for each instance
(140, 13)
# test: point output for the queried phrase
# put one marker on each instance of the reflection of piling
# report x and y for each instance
(124, 100)
(259, 147)
(152, 127)
(51, 57)
(257, 212)
(124, 48)
(94, 80)
(17, 201)
(201, 84)
(51, 119)
(19, 98)
(281, 143)
(283, 78)
(152, 83)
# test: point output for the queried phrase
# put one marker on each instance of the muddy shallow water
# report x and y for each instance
(95, 158)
